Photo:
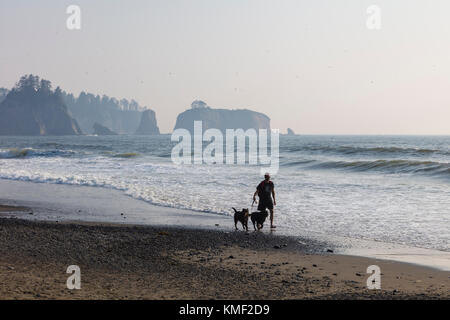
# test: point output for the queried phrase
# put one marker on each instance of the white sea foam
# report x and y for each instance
(399, 207)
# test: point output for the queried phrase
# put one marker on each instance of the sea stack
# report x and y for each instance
(148, 124)
(221, 119)
(102, 130)
(290, 132)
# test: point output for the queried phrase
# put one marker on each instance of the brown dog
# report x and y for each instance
(242, 217)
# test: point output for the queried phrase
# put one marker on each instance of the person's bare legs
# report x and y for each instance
(271, 219)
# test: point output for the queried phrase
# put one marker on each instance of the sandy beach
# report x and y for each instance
(144, 262)
(135, 137)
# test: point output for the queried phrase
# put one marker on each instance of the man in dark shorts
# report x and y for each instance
(266, 191)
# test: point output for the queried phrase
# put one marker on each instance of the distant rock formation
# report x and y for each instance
(221, 119)
(121, 116)
(148, 124)
(33, 108)
(102, 131)
(3, 94)
(290, 132)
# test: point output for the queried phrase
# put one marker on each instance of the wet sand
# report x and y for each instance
(9, 209)
(142, 262)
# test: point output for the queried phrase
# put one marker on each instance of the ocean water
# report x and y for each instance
(394, 189)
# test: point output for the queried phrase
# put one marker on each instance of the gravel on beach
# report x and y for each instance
(144, 262)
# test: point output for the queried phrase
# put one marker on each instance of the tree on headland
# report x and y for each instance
(58, 92)
(28, 82)
(33, 108)
(198, 104)
(3, 93)
(45, 85)
(32, 83)
(85, 100)
(121, 115)
(124, 104)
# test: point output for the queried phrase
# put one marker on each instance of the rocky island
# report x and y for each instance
(221, 119)
(102, 130)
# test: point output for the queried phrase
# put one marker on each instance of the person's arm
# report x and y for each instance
(256, 192)
(273, 196)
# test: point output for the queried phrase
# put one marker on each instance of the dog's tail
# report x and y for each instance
(235, 211)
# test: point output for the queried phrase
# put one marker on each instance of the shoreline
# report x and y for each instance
(157, 262)
(84, 204)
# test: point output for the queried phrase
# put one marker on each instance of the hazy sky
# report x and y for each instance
(312, 65)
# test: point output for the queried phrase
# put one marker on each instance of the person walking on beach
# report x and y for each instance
(266, 191)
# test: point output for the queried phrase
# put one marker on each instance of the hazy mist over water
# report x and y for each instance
(313, 66)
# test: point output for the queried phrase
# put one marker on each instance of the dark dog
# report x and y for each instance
(242, 217)
(258, 218)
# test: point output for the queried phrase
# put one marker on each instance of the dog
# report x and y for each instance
(258, 218)
(242, 217)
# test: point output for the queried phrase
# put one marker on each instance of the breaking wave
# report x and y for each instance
(352, 150)
(17, 153)
(389, 166)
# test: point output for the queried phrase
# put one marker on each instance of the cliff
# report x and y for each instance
(120, 121)
(3, 94)
(148, 124)
(121, 116)
(33, 108)
(102, 131)
(221, 119)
